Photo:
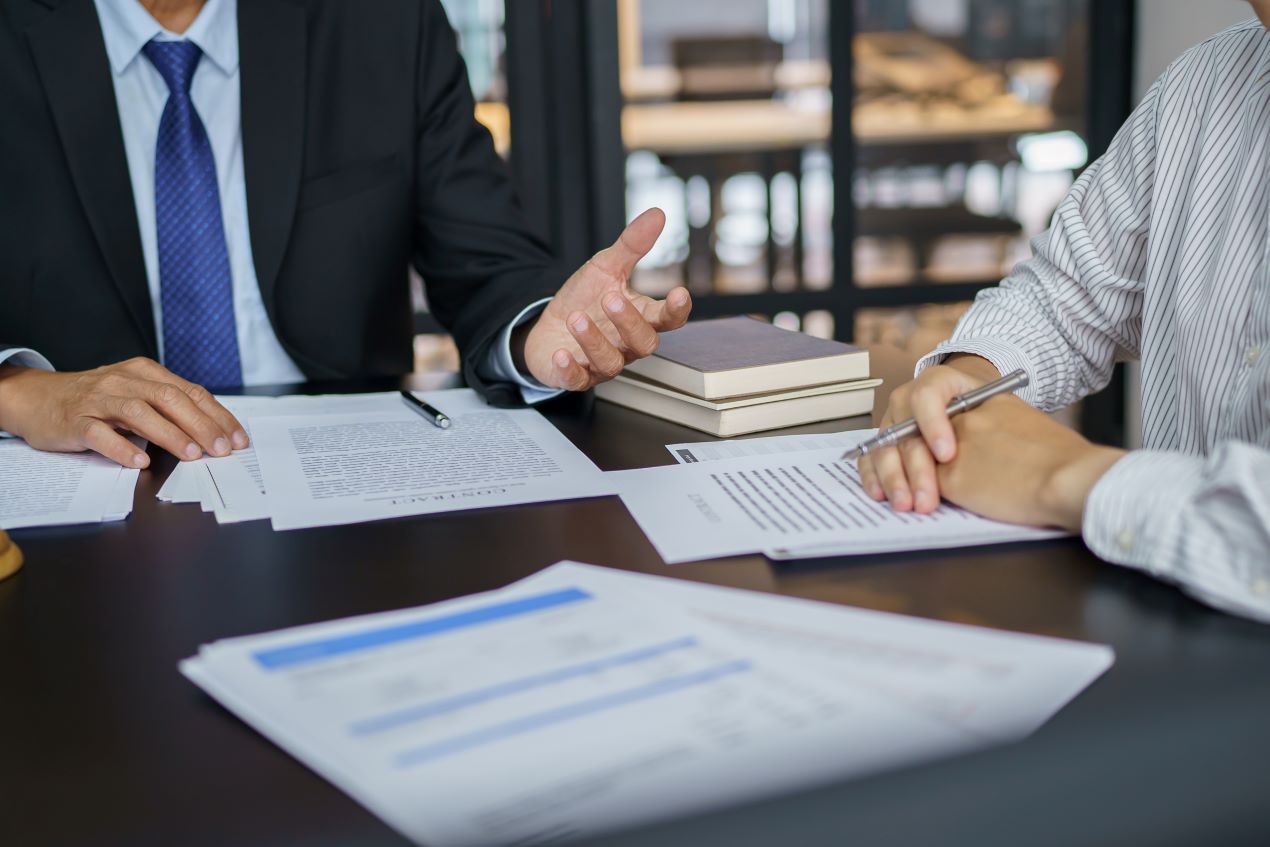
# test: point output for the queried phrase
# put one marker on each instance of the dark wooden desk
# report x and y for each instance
(103, 742)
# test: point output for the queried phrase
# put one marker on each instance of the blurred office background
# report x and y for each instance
(855, 170)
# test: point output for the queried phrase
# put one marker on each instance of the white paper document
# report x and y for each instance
(987, 684)
(231, 487)
(787, 505)
(370, 465)
(39, 488)
(583, 700)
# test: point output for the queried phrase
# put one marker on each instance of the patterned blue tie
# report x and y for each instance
(200, 341)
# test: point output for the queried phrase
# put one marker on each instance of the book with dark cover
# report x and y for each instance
(730, 357)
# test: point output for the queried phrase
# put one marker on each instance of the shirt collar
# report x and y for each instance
(127, 27)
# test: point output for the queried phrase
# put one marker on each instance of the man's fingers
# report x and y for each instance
(635, 241)
(569, 375)
(671, 313)
(179, 408)
(210, 406)
(919, 468)
(200, 396)
(605, 359)
(869, 479)
(139, 417)
(890, 471)
(929, 407)
(100, 437)
(639, 339)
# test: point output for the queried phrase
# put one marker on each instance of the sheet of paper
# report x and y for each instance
(50, 489)
(363, 466)
(119, 505)
(180, 486)
(560, 708)
(709, 451)
(988, 684)
(786, 504)
(235, 491)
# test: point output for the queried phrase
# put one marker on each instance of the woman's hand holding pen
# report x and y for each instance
(1004, 460)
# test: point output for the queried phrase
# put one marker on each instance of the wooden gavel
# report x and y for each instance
(10, 556)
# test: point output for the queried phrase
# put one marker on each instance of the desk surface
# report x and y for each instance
(103, 742)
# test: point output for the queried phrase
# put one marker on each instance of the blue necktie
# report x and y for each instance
(200, 341)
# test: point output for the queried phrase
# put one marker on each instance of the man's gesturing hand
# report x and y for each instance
(905, 474)
(595, 324)
(82, 411)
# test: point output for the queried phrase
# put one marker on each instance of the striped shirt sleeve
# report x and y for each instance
(1201, 522)
(1064, 314)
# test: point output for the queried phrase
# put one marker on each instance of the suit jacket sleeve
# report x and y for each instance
(480, 263)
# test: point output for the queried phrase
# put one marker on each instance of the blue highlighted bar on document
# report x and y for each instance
(326, 648)
(448, 705)
(572, 711)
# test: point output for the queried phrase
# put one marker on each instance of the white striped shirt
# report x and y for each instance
(1159, 252)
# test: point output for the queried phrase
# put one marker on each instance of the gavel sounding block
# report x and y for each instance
(10, 556)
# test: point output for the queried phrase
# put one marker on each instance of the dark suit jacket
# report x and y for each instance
(361, 156)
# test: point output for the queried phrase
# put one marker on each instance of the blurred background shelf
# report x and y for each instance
(855, 170)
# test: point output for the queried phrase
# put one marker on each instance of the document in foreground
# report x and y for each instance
(788, 505)
(581, 701)
(368, 465)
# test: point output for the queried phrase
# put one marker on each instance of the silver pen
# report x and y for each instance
(961, 403)
(431, 413)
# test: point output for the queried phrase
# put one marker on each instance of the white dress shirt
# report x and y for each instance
(141, 95)
(1159, 251)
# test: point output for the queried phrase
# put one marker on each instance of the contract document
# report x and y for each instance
(231, 487)
(38, 488)
(788, 505)
(368, 465)
(580, 701)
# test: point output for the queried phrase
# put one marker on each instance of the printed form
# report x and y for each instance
(360, 466)
(583, 700)
(795, 504)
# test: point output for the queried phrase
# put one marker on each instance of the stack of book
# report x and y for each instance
(734, 376)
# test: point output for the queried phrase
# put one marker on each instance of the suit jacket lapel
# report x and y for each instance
(70, 54)
(272, 43)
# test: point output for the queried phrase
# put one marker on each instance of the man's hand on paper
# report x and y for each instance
(1017, 464)
(595, 324)
(69, 412)
(1004, 460)
(905, 474)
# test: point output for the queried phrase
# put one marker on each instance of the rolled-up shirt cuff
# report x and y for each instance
(500, 366)
(1132, 512)
(23, 357)
(1003, 355)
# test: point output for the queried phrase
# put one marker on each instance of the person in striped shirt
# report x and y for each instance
(1157, 253)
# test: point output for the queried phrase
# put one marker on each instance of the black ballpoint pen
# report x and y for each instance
(433, 414)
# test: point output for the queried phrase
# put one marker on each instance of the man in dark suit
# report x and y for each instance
(237, 188)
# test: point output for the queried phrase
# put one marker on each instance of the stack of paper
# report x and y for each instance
(583, 700)
(320, 461)
(232, 487)
(788, 497)
(52, 489)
